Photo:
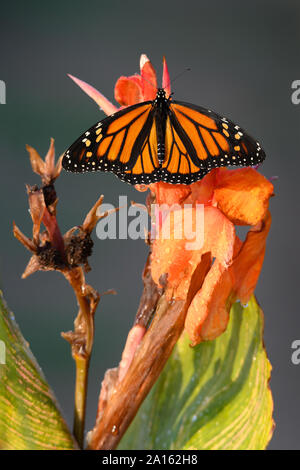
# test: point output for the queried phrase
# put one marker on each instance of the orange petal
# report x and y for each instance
(169, 256)
(208, 314)
(243, 195)
(148, 79)
(219, 235)
(248, 263)
(177, 258)
(202, 191)
(128, 90)
(167, 193)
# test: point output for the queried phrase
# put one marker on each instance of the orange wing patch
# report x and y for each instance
(125, 119)
(103, 146)
(221, 141)
(195, 116)
(121, 134)
(193, 134)
(134, 130)
(147, 162)
(202, 132)
(210, 143)
(177, 159)
(116, 145)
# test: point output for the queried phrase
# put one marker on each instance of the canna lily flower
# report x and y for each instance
(129, 90)
(229, 198)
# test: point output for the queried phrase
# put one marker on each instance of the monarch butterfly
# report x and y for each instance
(162, 140)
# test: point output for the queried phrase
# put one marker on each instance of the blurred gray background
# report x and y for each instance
(244, 57)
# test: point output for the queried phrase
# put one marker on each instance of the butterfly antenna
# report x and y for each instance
(188, 69)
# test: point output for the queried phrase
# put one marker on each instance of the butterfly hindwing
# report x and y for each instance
(181, 165)
(146, 167)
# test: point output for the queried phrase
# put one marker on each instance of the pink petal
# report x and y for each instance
(166, 83)
(101, 101)
(134, 338)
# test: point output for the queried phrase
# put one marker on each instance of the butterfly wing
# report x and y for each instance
(123, 143)
(198, 140)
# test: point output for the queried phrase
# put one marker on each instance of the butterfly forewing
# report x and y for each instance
(113, 144)
(217, 140)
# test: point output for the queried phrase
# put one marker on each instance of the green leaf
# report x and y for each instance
(213, 396)
(29, 415)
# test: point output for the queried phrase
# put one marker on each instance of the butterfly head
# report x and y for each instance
(161, 97)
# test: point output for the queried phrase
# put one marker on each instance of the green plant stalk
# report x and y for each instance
(81, 353)
(81, 386)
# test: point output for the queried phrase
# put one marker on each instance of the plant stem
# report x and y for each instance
(120, 400)
(82, 367)
(81, 341)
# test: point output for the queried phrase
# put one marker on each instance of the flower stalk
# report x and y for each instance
(67, 254)
(121, 395)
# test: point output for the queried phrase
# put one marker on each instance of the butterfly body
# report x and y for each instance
(162, 140)
(161, 108)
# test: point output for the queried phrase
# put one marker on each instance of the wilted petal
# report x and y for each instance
(50, 161)
(37, 209)
(58, 167)
(32, 266)
(56, 239)
(37, 164)
(243, 195)
(92, 217)
(148, 78)
(101, 101)
(27, 242)
(128, 90)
